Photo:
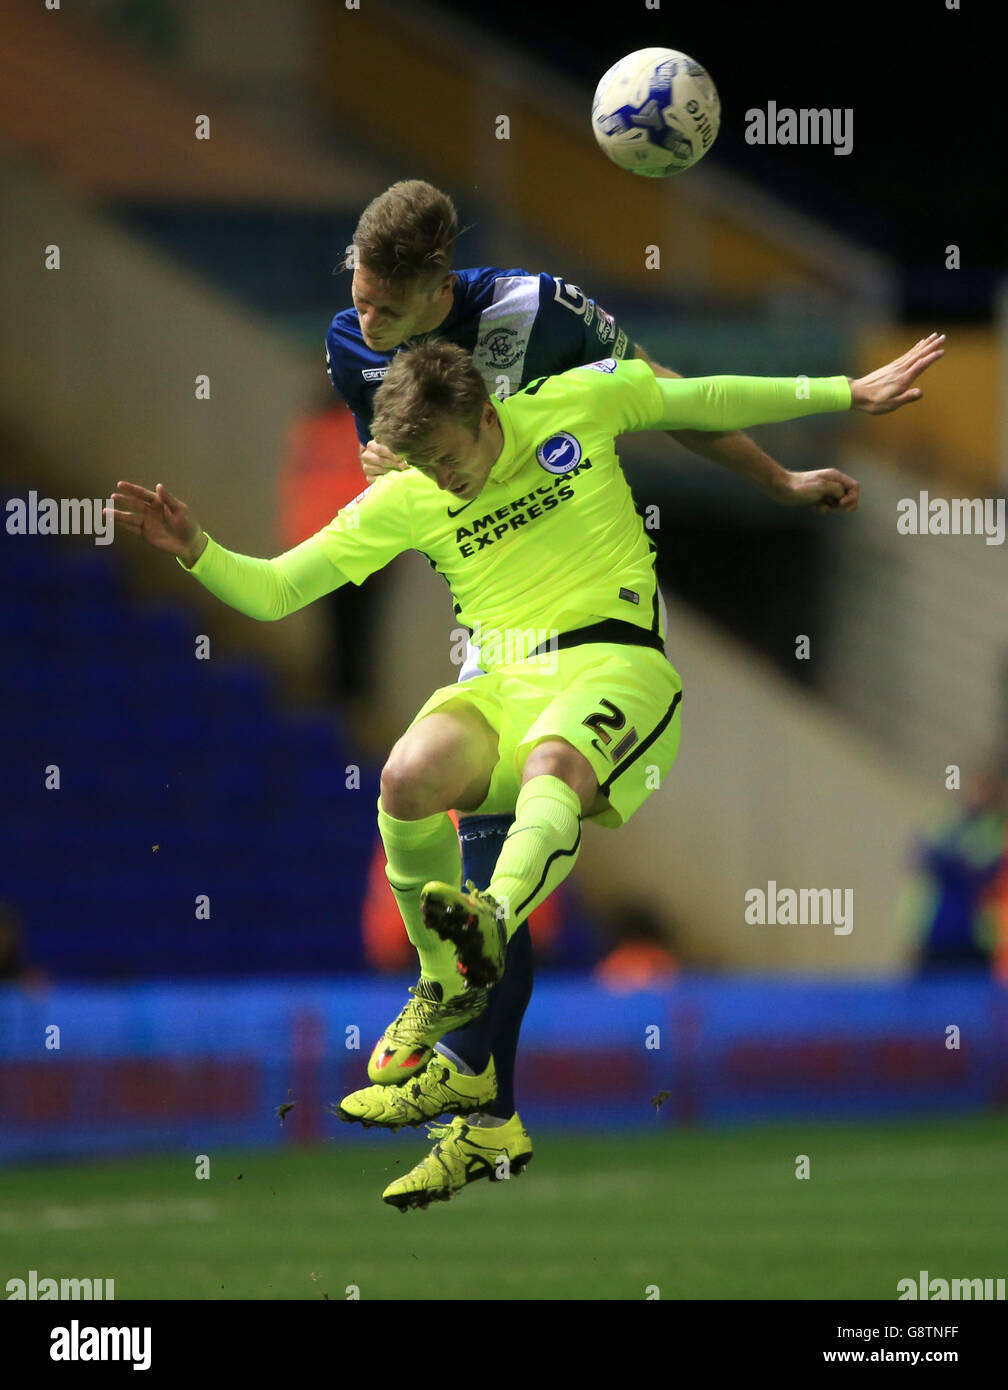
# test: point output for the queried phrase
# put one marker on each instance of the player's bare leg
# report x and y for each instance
(443, 763)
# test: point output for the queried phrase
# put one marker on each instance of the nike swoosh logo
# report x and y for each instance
(461, 509)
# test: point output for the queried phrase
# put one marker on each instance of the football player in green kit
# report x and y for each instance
(522, 505)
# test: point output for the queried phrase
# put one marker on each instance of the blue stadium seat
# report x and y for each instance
(245, 802)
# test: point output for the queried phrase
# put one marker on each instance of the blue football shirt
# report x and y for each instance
(517, 325)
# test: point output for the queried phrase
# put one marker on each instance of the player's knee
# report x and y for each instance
(409, 786)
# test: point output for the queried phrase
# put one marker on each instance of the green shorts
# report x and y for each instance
(617, 704)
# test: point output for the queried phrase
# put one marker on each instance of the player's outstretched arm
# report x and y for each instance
(729, 449)
(739, 402)
(879, 393)
(262, 589)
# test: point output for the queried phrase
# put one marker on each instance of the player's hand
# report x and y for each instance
(892, 385)
(161, 519)
(825, 489)
(376, 460)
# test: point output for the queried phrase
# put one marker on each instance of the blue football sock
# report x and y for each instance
(495, 1032)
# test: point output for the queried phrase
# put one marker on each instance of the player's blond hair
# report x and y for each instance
(434, 384)
(407, 234)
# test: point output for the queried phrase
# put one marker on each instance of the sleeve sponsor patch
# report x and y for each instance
(605, 329)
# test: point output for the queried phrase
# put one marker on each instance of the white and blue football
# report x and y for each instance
(656, 112)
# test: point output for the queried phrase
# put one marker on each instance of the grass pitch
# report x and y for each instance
(710, 1214)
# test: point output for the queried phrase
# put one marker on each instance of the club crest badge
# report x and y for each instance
(559, 453)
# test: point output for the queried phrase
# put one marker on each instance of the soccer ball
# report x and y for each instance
(656, 112)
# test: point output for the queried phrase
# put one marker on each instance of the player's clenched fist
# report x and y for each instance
(825, 489)
(376, 460)
(161, 519)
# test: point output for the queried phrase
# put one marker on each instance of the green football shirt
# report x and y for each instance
(553, 541)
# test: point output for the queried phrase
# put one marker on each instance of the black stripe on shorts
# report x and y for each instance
(656, 732)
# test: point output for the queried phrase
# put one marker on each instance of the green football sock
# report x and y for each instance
(418, 851)
(540, 849)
